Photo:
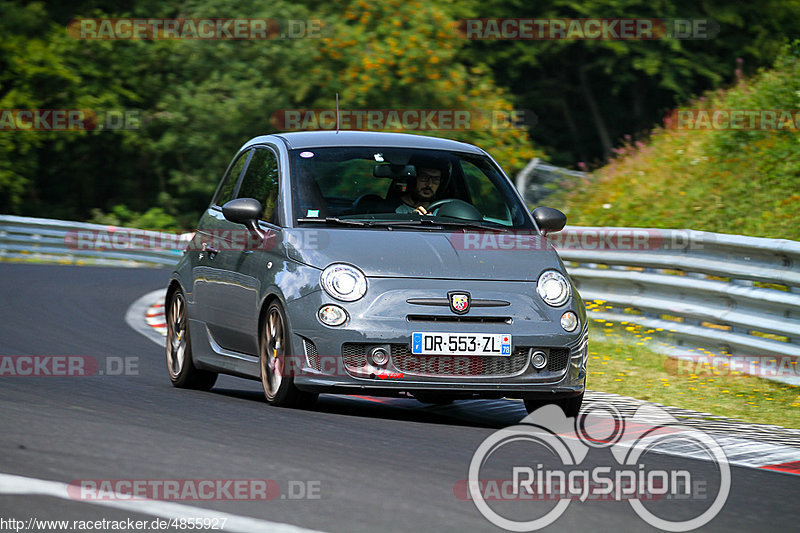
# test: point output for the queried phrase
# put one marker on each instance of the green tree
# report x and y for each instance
(588, 94)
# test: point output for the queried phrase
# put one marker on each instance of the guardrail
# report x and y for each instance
(538, 180)
(47, 240)
(723, 293)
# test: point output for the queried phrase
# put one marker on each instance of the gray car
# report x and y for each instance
(378, 264)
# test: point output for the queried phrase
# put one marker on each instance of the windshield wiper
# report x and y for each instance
(426, 222)
(413, 223)
(435, 222)
(334, 220)
(467, 224)
(367, 223)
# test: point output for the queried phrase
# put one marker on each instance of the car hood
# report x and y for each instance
(425, 254)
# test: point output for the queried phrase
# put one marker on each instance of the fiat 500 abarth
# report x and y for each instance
(379, 264)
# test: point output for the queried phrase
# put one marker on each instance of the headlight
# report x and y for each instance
(554, 288)
(344, 282)
(332, 315)
(569, 321)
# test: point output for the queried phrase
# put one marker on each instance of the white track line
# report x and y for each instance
(11, 484)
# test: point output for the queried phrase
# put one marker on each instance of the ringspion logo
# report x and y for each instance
(543, 460)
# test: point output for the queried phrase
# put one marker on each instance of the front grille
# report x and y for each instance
(312, 356)
(458, 365)
(558, 360)
(354, 356)
(461, 318)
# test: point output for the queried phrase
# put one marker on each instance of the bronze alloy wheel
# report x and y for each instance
(177, 339)
(180, 366)
(277, 366)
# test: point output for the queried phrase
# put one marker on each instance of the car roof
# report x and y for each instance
(321, 139)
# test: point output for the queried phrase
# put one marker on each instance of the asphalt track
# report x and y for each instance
(379, 465)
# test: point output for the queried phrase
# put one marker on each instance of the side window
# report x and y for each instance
(261, 181)
(225, 192)
(484, 194)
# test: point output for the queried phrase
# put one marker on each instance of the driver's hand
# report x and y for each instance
(421, 210)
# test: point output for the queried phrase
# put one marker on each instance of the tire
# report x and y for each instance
(180, 365)
(570, 406)
(279, 389)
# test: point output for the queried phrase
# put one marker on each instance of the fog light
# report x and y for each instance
(569, 321)
(378, 356)
(332, 315)
(539, 360)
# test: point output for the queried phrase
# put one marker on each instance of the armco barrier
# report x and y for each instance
(46, 240)
(724, 293)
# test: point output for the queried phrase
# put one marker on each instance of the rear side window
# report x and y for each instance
(260, 181)
(226, 190)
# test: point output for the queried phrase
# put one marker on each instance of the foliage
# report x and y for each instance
(618, 366)
(199, 100)
(154, 218)
(729, 181)
(631, 82)
(404, 55)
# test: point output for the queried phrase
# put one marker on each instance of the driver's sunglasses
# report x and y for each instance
(427, 178)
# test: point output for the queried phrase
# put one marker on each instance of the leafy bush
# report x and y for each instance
(727, 181)
(154, 218)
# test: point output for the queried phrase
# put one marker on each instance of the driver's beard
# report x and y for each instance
(419, 199)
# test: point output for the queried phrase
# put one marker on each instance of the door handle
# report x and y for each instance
(211, 251)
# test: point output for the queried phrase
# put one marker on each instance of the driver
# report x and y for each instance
(419, 196)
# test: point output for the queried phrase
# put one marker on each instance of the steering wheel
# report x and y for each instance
(455, 208)
(367, 203)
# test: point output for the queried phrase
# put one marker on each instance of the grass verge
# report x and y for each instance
(631, 370)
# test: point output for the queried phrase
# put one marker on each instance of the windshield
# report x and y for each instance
(384, 185)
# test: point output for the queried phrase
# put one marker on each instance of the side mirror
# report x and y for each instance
(245, 211)
(549, 220)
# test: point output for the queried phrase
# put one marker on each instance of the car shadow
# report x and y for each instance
(493, 414)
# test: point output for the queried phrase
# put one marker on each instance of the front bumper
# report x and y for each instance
(333, 359)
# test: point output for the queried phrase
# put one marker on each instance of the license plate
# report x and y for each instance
(427, 343)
